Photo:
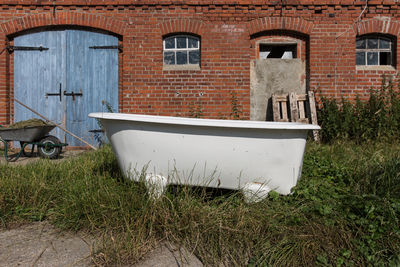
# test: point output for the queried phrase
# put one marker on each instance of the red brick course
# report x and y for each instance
(229, 30)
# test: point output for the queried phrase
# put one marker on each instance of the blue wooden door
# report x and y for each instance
(82, 65)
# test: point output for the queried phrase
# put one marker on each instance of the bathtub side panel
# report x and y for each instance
(209, 156)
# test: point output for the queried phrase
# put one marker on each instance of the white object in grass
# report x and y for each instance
(202, 152)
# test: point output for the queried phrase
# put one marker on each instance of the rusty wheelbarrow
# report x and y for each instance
(48, 146)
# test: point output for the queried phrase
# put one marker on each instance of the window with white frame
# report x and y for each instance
(374, 51)
(181, 50)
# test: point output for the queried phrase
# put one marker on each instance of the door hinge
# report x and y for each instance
(119, 47)
(12, 48)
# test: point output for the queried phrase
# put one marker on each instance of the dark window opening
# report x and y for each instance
(285, 51)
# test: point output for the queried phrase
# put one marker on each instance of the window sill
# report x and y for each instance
(180, 67)
(376, 67)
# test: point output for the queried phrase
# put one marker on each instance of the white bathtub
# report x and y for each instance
(251, 155)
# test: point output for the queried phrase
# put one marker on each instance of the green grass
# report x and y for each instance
(344, 211)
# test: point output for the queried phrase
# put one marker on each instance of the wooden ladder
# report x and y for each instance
(295, 108)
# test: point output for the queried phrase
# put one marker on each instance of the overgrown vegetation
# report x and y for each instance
(98, 134)
(236, 108)
(344, 211)
(195, 111)
(377, 118)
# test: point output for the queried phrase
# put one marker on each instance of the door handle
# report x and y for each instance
(73, 94)
(55, 94)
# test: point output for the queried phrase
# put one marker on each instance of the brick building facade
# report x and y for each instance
(232, 35)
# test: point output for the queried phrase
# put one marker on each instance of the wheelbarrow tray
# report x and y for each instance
(26, 134)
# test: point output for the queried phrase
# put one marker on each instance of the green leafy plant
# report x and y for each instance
(376, 118)
(195, 110)
(236, 108)
(98, 135)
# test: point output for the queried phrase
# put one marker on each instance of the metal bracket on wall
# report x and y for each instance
(119, 47)
(12, 48)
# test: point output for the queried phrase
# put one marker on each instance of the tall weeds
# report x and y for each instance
(377, 118)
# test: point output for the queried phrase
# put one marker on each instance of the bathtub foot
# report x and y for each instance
(156, 185)
(255, 192)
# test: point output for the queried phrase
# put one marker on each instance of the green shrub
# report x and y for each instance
(376, 118)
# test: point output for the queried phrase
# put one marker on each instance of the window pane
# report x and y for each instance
(194, 57)
(360, 58)
(192, 42)
(169, 58)
(170, 43)
(384, 43)
(181, 58)
(287, 55)
(264, 54)
(372, 43)
(385, 58)
(181, 42)
(360, 44)
(372, 58)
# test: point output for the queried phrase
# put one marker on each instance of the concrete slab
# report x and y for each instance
(40, 244)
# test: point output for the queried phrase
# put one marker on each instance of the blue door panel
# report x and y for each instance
(104, 73)
(69, 62)
(37, 73)
(95, 73)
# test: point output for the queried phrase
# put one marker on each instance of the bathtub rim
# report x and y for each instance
(204, 122)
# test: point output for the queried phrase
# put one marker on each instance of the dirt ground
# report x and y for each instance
(41, 244)
(25, 160)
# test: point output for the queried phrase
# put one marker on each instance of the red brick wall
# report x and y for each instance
(325, 30)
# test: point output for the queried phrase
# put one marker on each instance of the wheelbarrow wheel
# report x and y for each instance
(49, 148)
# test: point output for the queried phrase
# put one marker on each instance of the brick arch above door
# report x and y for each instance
(63, 18)
(282, 23)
